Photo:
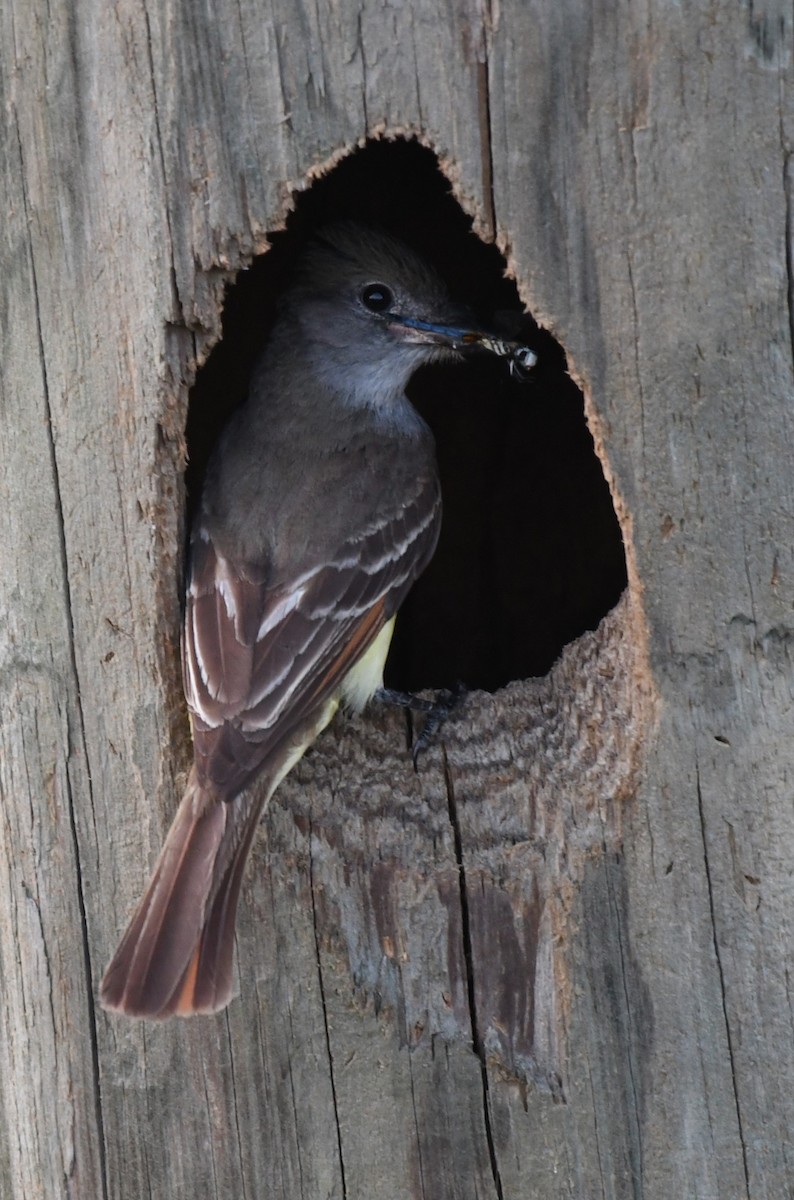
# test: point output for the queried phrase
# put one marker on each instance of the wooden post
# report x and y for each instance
(556, 962)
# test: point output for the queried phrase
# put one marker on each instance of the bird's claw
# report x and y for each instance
(435, 712)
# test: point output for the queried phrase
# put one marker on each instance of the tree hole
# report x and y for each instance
(530, 554)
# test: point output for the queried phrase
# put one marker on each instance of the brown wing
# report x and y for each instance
(259, 661)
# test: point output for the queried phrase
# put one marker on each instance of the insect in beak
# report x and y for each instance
(521, 358)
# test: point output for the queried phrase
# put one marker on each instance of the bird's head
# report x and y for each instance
(369, 311)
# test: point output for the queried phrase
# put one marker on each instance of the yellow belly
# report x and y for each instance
(364, 679)
(358, 686)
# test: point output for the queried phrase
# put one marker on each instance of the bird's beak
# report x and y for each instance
(427, 333)
(455, 337)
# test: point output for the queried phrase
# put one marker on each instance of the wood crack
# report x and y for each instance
(789, 249)
(67, 595)
(468, 959)
(597, 1138)
(633, 1112)
(326, 1027)
(416, 1126)
(211, 1141)
(179, 312)
(486, 140)
(236, 1107)
(293, 1096)
(718, 957)
(362, 53)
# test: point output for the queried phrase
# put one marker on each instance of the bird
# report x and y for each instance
(320, 507)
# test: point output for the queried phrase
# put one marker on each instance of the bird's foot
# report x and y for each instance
(435, 712)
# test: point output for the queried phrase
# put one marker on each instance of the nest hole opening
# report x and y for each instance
(531, 553)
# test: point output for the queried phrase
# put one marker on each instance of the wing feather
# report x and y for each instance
(259, 660)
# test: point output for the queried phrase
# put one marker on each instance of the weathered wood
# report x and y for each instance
(599, 860)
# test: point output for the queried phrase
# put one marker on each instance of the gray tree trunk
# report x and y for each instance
(556, 963)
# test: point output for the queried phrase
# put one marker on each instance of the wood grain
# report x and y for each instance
(556, 963)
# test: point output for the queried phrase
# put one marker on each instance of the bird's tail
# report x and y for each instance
(177, 955)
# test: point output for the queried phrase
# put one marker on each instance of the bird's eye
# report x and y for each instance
(377, 297)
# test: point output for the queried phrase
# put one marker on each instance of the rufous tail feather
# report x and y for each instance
(177, 954)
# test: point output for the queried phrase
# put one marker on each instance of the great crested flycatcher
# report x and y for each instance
(320, 508)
